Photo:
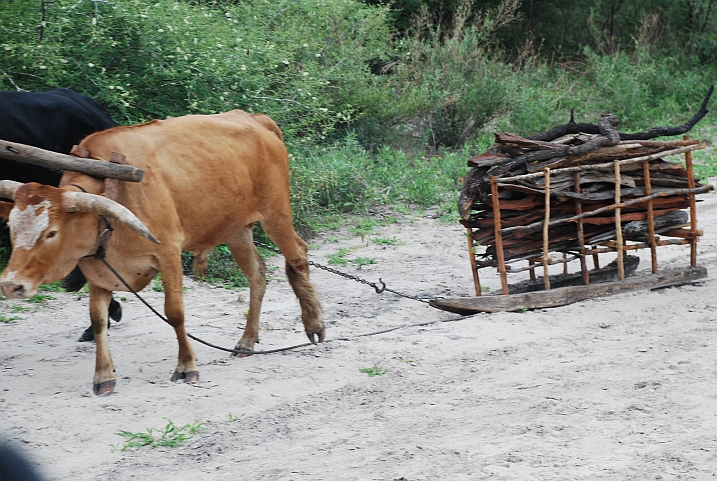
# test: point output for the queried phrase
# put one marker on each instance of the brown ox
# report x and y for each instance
(207, 179)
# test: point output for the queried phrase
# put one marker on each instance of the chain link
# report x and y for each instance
(379, 290)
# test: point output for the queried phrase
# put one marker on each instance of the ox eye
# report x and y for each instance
(51, 234)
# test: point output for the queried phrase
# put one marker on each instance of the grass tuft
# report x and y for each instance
(8, 319)
(171, 436)
(373, 371)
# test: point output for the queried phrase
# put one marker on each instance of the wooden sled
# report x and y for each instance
(567, 295)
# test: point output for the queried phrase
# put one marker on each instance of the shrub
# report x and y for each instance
(166, 58)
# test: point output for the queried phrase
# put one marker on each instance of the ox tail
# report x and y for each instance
(308, 298)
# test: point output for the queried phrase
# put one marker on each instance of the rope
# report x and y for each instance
(100, 255)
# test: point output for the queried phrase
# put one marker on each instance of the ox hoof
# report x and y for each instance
(115, 311)
(87, 335)
(191, 376)
(104, 388)
(242, 352)
(318, 336)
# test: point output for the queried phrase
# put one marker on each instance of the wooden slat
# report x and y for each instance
(498, 237)
(618, 224)
(650, 217)
(693, 207)
(568, 295)
(112, 185)
(546, 232)
(474, 264)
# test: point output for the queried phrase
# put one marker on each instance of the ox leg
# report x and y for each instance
(174, 311)
(295, 251)
(253, 267)
(104, 380)
(201, 259)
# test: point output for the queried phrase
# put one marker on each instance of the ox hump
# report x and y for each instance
(28, 225)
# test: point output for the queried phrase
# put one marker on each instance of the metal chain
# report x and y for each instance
(379, 290)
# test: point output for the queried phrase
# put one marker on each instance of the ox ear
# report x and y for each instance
(5, 208)
(81, 202)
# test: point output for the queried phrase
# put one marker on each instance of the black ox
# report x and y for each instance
(54, 120)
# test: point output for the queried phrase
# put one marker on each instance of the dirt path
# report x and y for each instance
(614, 388)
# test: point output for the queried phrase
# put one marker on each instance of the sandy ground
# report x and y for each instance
(612, 388)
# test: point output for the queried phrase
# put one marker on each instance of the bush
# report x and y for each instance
(169, 58)
(445, 85)
(346, 178)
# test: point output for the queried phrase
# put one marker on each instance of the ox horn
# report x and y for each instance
(82, 202)
(8, 188)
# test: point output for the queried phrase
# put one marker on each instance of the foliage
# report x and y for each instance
(339, 259)
(349, 179)
(164, 58)
(447, 84)
(171, 436)
(373, 371)
(372, 117)
(363, 261)
(41, 298)
(234, 417)
(18, 308)
(7, 320)
(222, 269)
(562, 27)
(387, 241)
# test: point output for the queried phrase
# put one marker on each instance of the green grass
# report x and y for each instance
(339, 258)
(157, 283)
(705, 164)
(328, 183)
(41, 298)
(373, 371)
(54, 287)
(171, 436)
(385, 241)
(222, 270)
(363, 261)
(18, 308)
(7, 320)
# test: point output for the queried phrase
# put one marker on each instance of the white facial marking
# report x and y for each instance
(10, 275)
(27, 225)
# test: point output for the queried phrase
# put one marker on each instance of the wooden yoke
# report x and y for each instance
(112, 185)
(77, 161)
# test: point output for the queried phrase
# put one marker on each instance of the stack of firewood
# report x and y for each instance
(587, 170)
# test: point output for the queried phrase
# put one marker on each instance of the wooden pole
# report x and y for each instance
(693, 207)
(498, 236)
(581, 233)
(650, 216)
(474, 264)
(618, 225)
(546, 230)
(52, 160)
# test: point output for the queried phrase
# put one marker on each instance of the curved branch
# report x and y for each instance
(574, 128)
